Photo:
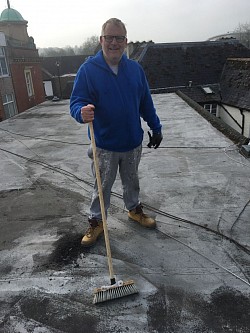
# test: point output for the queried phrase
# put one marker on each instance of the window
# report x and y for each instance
(207, 90)
(29, 83)
(9, 105)
(212, 108)
(3, 63)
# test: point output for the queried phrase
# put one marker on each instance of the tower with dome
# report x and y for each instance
(20, 70)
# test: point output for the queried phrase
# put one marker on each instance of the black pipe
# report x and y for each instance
(243, 121)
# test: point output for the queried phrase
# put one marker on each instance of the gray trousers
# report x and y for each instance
(109, 163)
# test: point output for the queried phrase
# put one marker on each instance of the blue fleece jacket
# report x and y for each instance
(120, 101)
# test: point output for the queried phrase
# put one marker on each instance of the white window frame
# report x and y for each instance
(209, 108)
(9, 105)
(29, 82)
(3, 63)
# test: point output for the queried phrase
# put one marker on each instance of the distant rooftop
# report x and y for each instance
(176, 64)
(63, 65)
(235, 83)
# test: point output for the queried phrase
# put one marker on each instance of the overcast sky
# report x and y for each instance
(59, 23)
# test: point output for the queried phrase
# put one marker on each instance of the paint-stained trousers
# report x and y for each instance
(127, 164)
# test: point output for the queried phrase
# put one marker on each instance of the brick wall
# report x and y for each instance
(23, 101)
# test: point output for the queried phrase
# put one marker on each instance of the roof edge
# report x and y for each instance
(227, 130)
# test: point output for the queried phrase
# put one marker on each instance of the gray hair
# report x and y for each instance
(114, 21)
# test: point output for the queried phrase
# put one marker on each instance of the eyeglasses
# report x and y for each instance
(109, 38)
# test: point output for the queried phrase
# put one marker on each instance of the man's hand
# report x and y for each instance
(155, 139)
(87, 113)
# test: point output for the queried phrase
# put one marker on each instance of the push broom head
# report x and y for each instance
(117, 290)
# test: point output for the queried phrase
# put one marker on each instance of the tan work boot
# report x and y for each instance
(94, 231)
(138, 216)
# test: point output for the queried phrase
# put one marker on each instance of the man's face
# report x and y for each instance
(113, 48)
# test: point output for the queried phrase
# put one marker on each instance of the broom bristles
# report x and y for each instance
(114, 291)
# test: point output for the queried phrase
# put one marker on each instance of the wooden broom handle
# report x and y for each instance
(99, 186)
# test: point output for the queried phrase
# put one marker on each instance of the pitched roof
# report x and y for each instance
(199, 94)
(67, 64)
(175, 64)
(235, 83)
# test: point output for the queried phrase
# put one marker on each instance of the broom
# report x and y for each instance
(115, 289)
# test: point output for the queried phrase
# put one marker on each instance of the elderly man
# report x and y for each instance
(111, 91)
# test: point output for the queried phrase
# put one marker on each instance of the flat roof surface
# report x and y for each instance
(192, 272)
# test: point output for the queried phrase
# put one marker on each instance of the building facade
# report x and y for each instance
(7, 97)
(235, 95)
(21, 80)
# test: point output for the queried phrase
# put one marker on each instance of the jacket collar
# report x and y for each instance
(100, 61)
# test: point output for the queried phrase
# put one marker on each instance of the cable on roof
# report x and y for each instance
(204, 256)
(44, 139)
(160, 212)
(53, 168)
(227, 149)
(86, 144)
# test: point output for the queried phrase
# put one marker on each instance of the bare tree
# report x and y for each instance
(52, 52)
(87, 48)
(243, 32)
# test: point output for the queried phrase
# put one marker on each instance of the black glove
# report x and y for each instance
(155, 139)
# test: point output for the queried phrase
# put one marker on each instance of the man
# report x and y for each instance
(112, 92)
